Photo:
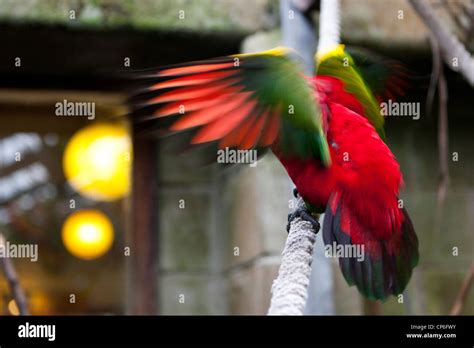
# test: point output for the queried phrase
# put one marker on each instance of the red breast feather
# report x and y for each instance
(363, 208)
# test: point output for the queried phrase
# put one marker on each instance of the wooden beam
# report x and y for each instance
(34, 110)
(57, 56)
(143, 267)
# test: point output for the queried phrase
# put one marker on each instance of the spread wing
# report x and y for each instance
(249, 101)
(387, 78)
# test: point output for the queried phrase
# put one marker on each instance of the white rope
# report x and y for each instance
(290, 289)
(329, 25)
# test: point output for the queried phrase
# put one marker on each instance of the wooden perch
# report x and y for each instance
(453, 50)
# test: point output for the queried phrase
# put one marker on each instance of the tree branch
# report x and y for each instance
(443, 137)
(453, 50)
(436, 62)
(466, 286)
(13, 283)
(454, 16)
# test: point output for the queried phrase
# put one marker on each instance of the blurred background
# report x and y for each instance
(122, 227)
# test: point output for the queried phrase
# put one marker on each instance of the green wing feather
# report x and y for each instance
(386, 78)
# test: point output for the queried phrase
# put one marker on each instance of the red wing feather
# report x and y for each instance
(194, 69)
(217, 129)
(189, 105)
(193, 92)
(237, 136)
(254, 133)
(192, 80)
(271, 129)
(212, 97)
(204, 116)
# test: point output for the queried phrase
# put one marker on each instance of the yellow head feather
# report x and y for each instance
(334, 51)
(277, 51)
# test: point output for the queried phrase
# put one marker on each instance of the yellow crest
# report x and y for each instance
(335, 51)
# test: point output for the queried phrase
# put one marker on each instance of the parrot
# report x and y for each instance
(326, 130)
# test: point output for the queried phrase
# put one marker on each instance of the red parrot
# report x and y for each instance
(326, 130)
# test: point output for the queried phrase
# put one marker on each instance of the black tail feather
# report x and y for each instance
(376, 276)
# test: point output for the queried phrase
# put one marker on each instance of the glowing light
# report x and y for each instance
(13, 308)
(87, 234)
(97, 161)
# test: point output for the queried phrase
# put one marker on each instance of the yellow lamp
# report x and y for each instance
(87, 234)
(97, 161)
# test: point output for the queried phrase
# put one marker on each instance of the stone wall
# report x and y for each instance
(221, 235)
(388, 23)
(255, 210)
(191, 263)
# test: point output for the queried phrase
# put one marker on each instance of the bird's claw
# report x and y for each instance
(304, 214)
